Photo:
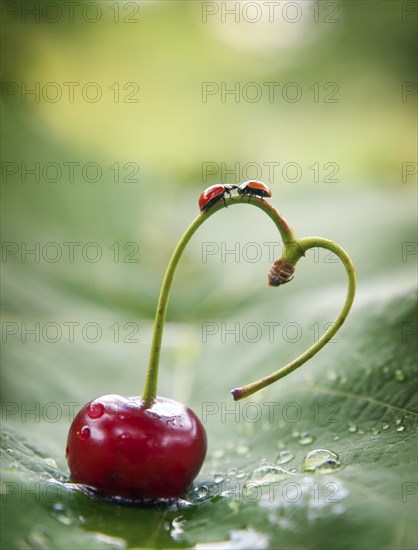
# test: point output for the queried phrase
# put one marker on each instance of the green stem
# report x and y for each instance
(288, 237)
(306, 244)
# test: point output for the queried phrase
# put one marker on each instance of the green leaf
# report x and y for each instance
(357, 399)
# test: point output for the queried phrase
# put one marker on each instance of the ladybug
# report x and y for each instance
(254, 188)
(214, 194)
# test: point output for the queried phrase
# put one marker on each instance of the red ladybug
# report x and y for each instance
(214, 194)
(254, 188)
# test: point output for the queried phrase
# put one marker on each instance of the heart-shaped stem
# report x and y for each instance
(304, 245)
(294, 249)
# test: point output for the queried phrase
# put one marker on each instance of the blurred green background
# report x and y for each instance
(115, 117)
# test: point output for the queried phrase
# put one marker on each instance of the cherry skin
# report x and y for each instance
(124, 447)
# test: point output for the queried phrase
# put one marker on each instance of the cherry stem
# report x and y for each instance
(304, 245)
(294, 249)
(287, 235)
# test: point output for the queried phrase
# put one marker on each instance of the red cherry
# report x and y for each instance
(124, 447)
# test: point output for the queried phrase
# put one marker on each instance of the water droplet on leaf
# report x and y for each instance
(242, 449)
(267, 474)
(62, 515)
(284, 457)
(38, 538)
(306, 439)
(203, 491)
(321, 461)
(218, 478)
(51, 462)
(400, 375)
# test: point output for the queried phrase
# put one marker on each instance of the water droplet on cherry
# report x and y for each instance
(95, 410)
(84, 433)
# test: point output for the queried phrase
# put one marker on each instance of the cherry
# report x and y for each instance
(130, 448)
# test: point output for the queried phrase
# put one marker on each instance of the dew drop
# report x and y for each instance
(284, 457)
(51, 462)
(124, 437)
(243, 449)
(84, 433)
(240, 474)
(177, 530)
(61, 514)
(95, 410)
(203, 491)
(38, 538)
(306, 439)
(321, 461)
(400, 428)
(385, 426)
(218, 478)
(400, 375)
(336, 437)
(232, 504)
(268, 474)
(352, 428)
(232, 472)
(375, 431)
